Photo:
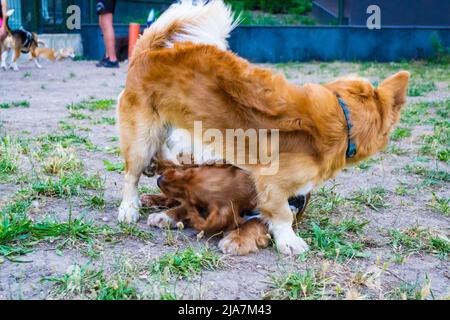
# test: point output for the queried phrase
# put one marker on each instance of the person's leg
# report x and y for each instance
(106, 24)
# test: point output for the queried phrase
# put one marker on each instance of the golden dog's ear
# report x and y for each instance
(397, 85)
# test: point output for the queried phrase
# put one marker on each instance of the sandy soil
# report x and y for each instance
(51, 89)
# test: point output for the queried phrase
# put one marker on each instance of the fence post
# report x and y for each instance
(341, 11)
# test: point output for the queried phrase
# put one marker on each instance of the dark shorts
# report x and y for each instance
(106, 6)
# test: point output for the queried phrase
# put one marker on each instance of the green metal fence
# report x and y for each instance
(50, 16)
(126, 10)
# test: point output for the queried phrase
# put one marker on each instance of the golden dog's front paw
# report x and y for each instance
(129, 212)
(287, 241)
(292, 245)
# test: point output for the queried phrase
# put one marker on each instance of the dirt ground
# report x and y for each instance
(378, 231)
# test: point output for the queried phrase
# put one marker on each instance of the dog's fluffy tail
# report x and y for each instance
(6, 22)
(195, 21)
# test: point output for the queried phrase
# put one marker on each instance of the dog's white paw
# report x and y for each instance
(161, 220)
(291, 245)
(287, 241)
(14, 67)
(129, 212)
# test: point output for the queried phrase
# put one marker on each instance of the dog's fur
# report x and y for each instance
(180, 72)
(211, 199)
(53, 55)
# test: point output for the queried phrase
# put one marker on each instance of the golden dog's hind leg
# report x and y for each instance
(140, 139)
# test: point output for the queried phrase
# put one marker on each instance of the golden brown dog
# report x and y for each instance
(212, 199)
(181, 72)
(52, 54)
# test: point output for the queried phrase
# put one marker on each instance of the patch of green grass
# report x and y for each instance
(67, 185)
(66, 126)
(113, 150)
(442, 108)
(114, 167)
(353, 225)
(15, 226)
(93, 105)
(422, 70)
(187, 263)
(130, 230)
(10, 150)
(432, 177)
(374, 198)
(416, 240)
(78, 115)
(308, 285)
(396, 150)
(400, 133)
(95, 202)
(69, 232)
(62, 161)
(65, 140)
(404, 190)
(366, 165)
(415, 113)
(418, 290)
(83, 282)
(148, 190)
(441, 205)
(418, 89)
(336, 240)
(18, 233)
(16, 104)
(438, 143)
(105, 120)
(326, 201)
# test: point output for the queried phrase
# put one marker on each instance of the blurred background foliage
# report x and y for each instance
(269, 12)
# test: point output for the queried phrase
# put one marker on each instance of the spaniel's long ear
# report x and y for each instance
(397, 85)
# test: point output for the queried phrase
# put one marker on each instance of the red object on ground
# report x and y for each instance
(135, 29)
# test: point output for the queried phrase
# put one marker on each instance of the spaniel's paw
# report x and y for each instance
(241, 245)
(149, 201)
(161, 220)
